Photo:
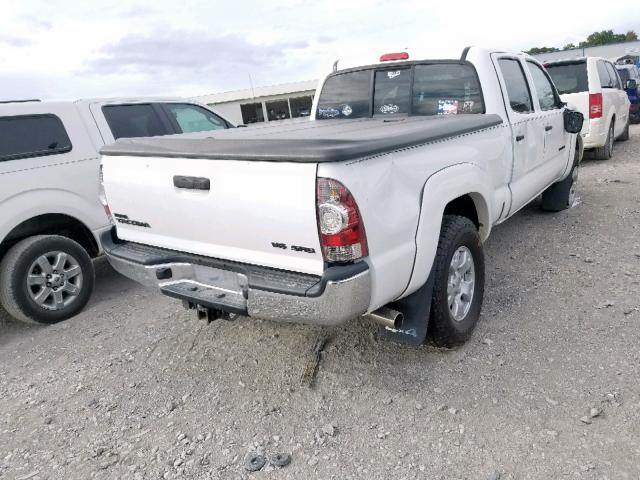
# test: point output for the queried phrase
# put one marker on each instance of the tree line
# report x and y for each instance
(596, 38)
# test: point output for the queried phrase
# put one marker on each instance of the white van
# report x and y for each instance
(592, 86)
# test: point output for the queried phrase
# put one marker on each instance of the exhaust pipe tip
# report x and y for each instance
(387, 317)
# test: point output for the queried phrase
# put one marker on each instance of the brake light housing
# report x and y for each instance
(390, 57)
(595, 105)
(340, 226)
(102, 195)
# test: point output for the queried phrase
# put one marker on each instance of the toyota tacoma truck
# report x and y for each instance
(377, 206)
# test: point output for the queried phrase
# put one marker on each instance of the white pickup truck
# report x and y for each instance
(377, 207)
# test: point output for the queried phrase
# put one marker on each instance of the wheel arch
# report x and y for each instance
(52, 224)
(462, 189)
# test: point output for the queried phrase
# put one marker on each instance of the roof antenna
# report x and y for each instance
(335, 65)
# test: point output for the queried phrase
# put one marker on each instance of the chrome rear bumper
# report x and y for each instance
(341, 294)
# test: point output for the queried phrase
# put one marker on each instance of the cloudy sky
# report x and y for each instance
(79, 48)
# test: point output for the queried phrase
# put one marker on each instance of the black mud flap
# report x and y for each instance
(416, 309)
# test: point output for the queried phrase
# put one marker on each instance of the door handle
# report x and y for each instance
(191, 183)
(547, 128)
(519, 138)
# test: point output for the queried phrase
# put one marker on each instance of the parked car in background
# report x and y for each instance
(50, 213)
(592, 86)
(631, 83)
(379, 205)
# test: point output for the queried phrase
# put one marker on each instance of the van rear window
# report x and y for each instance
(569, 77)
(419, 89)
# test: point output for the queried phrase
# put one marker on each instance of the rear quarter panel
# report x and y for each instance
(402, 218)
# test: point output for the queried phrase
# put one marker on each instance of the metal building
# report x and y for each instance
(612, 51)
(264, 104)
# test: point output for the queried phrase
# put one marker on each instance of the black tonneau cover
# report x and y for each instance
(307, 141)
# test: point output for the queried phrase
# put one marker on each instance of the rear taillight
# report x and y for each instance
(595, 105)
(342, 235)
(103, 197)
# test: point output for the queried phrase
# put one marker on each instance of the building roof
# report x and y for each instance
(610, 51)
(257, 92)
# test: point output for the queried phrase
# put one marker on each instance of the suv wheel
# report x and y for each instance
(606, 151)
(45, 279)
(458, 282)
(625, 134)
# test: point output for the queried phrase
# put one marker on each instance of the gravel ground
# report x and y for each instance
(548, 387)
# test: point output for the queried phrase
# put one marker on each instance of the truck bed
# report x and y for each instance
(306, 141)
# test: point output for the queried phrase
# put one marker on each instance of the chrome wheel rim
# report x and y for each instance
(574, 186)
(54, 280)
(461, 283)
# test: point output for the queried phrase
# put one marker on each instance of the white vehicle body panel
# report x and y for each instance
(250, 206)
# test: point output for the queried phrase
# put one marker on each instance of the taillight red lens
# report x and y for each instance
(595, 105)
(342, 235)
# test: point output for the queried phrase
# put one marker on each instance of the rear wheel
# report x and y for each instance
(458, 282)
(606, 151)
(625, 134)
(45, 279)
(562, 195)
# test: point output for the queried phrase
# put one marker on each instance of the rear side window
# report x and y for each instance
(442, 89)
(605, 78)
(391, 91)
(346, 96)
(517, 87)
(613, 75)
(140, 120)
(569, 77)
(544, 89)
(193, 118)
(27, 136)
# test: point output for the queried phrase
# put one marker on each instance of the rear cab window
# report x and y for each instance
(420, 89)
(569, 77)
(26, 136)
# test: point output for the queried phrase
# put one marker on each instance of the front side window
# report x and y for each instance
(569, 77)
(391, 91)
(139, 120)
(446, 88)
(517, 87)
(26, 136)
(624, 74)
(193, 118)
(346, 95)
(544, 89)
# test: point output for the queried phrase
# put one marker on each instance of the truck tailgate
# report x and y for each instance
(261, 213)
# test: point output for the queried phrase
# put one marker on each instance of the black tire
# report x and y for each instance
(606, 151)
(16, 296)
(444, 329)
(561, 195)
(625, 134)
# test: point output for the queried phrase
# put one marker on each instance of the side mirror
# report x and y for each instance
(631, 85)
(573, 121)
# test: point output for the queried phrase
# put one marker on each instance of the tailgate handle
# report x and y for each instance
(191, 183)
